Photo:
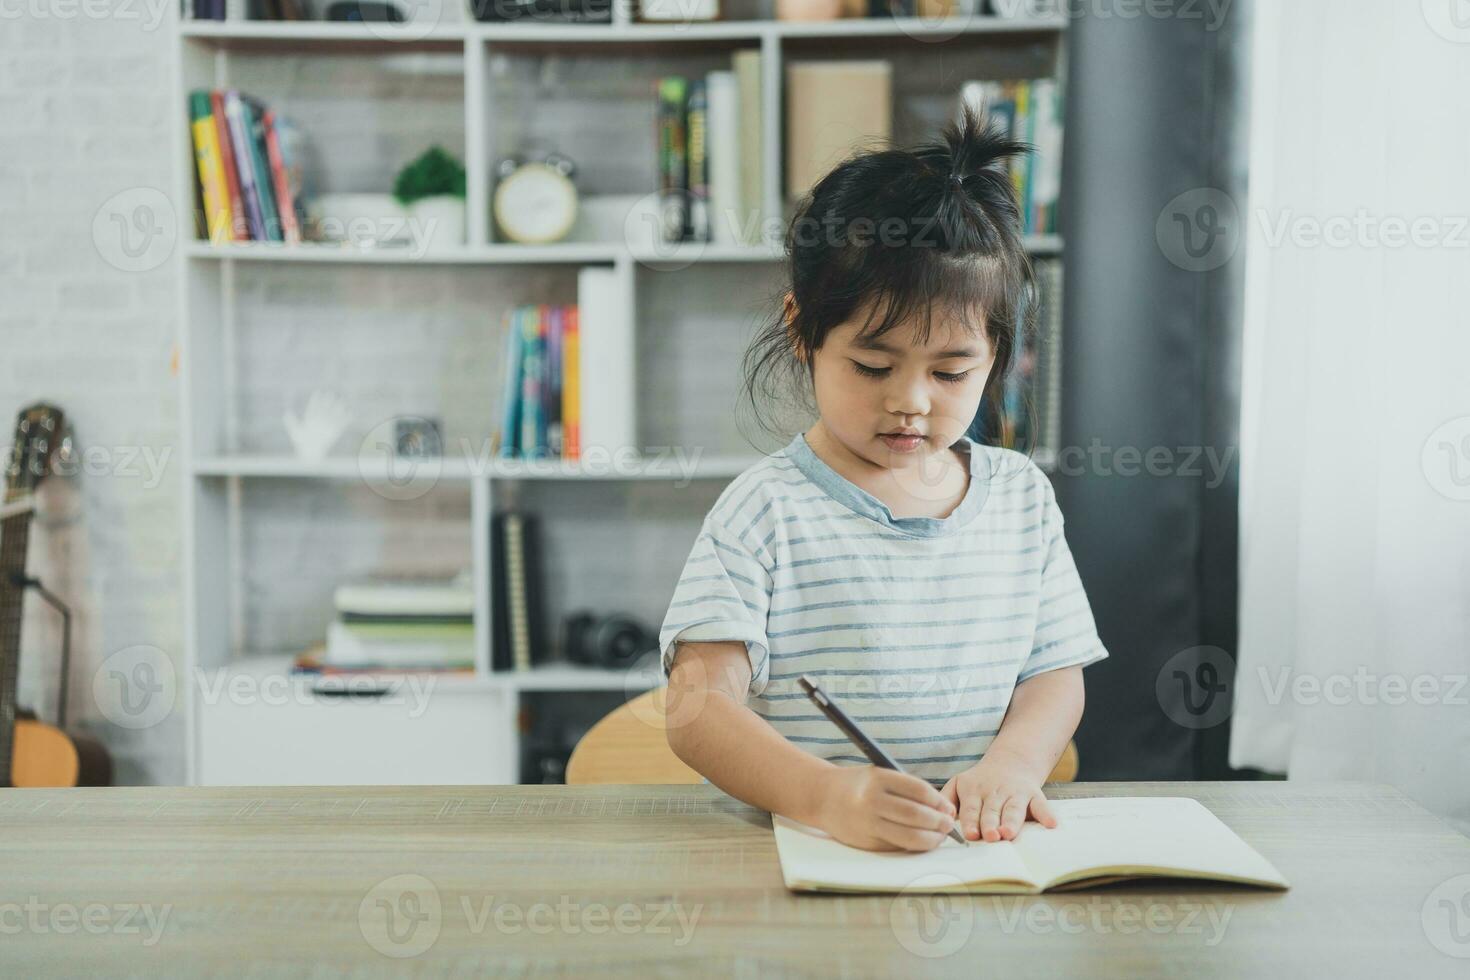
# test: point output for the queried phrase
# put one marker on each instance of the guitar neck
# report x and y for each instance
(14, 536)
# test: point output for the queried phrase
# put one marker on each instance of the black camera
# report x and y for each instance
(615, 640)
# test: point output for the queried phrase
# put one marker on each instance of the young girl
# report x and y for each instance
(920, 577)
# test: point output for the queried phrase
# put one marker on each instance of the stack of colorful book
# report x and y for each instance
(540, 415)
(1031, 111)
(249, 179)
(400, 625)
(709, 154)
(550, 406)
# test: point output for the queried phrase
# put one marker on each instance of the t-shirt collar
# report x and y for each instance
(855, 498)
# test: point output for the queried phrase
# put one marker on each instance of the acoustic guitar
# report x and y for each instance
(33, 753)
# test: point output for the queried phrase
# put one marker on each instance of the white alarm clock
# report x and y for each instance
(535, 200)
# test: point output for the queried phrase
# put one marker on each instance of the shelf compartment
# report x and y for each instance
(426, 341)
(597, 104)
(294, 544)
(925, 88)
(357, 118)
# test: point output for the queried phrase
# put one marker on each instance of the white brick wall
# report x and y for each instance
(84, 92)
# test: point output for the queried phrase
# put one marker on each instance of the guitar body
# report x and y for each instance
(48, 757)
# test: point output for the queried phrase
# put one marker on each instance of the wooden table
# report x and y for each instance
(675, 880)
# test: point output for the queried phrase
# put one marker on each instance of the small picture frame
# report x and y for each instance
(415, 437)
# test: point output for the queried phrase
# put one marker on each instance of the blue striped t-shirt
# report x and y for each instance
(919, 627)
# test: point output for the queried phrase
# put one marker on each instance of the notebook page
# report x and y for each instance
(811, 858)
(1174, 833)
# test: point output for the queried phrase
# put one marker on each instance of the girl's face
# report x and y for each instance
(866, 390)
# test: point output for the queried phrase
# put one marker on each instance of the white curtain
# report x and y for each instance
(1355, 430)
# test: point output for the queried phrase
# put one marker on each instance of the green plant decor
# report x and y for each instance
(435, 172)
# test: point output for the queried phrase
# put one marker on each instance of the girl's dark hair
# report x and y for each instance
(906, 230)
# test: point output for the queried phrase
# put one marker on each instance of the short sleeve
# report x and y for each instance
(1066, 635)
(724, 593)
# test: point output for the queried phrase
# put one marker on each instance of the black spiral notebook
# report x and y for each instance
(518, 636)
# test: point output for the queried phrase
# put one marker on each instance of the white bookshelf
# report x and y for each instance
(249, 34)
(469, 727)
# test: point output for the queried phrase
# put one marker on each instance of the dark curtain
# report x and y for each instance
(1156, 109)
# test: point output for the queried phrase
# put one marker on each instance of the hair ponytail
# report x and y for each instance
(907, 231)
(974, 154)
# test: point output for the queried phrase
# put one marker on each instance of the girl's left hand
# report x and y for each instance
(995, 796)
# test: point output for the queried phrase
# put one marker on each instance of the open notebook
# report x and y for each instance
(1096, 840)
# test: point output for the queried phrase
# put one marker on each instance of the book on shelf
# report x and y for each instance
(571, 396)
(386, 643)
(239, 130)
(271, 126)
(554, 380)
(533, 409)
(697, 115)
(246, 10)
(250, 114)
(540, 404)
(238, 230)
(750, 109)
(673, 163)
(1029, 110)
(215, 192)
(834, 109)
(722, 156)
(608, 390)
(401, 598)
(710, 153)
(517, 639)
(246, 163)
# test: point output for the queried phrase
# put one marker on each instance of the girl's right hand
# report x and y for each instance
(882, 810)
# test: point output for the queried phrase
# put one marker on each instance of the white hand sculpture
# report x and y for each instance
(319, 426)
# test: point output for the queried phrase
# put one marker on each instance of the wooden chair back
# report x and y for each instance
(629, 746)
